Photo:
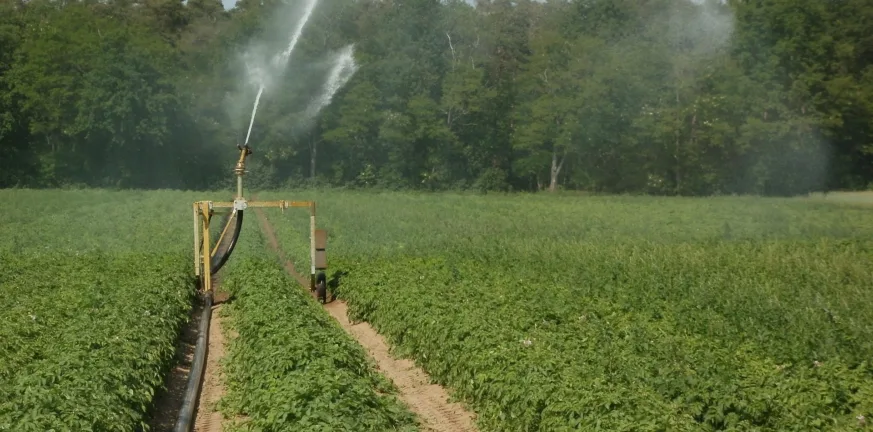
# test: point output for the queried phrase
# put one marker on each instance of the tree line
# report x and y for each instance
(675, 97)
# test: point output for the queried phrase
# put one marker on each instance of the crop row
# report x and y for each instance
(548, 356)
(289, 365)
(86, 338)
(633, 314)
(95, 286)
(79, 221)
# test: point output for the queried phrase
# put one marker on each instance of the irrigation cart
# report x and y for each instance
(209, 259)
(204, 213)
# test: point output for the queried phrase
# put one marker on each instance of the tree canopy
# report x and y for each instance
(675, 97)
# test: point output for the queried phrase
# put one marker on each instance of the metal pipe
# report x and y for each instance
(240, 169)
(312, 244)
(192, 392)
(196, 243)
(277, 204)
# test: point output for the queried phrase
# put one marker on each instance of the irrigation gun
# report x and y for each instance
(209, 259)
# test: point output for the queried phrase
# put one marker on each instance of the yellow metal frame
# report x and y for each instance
(204, 210)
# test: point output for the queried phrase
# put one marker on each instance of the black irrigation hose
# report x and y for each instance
(217, 262)
(192, 391)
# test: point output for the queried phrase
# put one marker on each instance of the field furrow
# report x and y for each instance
(289, 366)
(621, 314)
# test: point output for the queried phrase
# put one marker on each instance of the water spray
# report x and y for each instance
(280, 61)
(341, 72)
(254, 111)
(208, 261)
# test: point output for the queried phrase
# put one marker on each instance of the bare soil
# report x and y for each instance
(429, 401)
(212, 387)
(168, 402)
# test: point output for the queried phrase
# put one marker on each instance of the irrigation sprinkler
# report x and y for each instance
(209, 259)
(207, 262)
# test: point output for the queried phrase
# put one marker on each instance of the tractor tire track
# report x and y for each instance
(429, 401)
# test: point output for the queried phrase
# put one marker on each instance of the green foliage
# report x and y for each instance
(96, 286)
(290, 366)
(86, 337)
(668, 97)
(615, 313)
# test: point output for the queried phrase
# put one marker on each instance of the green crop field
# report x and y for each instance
(616, 313)
(543, 313)
(290, 367)
(94, 286)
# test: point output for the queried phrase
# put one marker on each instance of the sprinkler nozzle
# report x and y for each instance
(240, 168)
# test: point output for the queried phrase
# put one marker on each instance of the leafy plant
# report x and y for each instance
(290, 366)
(615, 313)
(95, 286)
(85, 339)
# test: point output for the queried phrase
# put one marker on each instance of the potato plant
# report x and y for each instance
(86, 339)
(626, 313)
(290, 367)
(95, 287)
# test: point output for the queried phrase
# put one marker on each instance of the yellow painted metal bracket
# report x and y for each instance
(262, 204)
(203, 211)
(201, 252)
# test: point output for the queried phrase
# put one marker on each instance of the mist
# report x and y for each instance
(269, 72)
(668, 97)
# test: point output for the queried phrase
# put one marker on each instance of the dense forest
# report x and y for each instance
(676, 97)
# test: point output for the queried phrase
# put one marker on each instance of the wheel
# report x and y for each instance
(321, 292)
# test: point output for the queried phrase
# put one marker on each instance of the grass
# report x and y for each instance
(624, 313)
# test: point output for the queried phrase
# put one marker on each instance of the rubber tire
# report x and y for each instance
(321, 292)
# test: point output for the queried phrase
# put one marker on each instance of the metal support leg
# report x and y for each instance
(312, 245)
(207, 262)
(196, 241)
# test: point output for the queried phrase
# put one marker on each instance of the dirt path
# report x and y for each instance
(429, 401)
(168, 403)
(212, 387)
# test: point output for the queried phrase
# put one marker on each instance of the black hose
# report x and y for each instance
(217, 262)
(192, 391)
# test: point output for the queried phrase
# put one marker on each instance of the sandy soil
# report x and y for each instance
(212, 388)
